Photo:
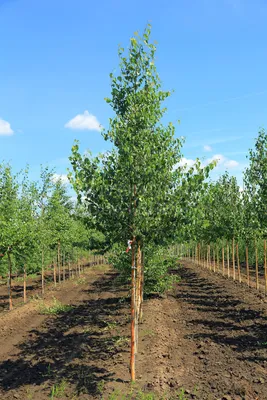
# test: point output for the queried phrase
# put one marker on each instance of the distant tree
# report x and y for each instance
(255, 180)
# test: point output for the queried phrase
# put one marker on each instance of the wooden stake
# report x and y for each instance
(228, 261)
(55, 273)
(132, 361)
(257, 266)
(223, 267)
(238, 264)
(24, 284)
(233, 258)
(42, 271)
(247, 266)
(218, 260)
(137, 292)
(138, 277)
(142, 288)
(9, 280)
(58, 261)
(79, 265)
(265, 267)
(214, 261)
(63, 266)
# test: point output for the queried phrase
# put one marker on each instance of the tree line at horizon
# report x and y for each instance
(39, 226)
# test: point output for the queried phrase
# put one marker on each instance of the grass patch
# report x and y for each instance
(120, 340)
(56, 308)
(110, 325)
(36, 297)
(147, 332)
(80, 281)
(58, 390)
(21, 278)
(135, 394)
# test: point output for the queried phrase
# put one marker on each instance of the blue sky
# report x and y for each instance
(56, 56)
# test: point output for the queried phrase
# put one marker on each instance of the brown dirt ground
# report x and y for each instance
(207, 336)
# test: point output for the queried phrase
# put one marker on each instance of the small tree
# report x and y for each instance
(9, 232)
(58, 220)
(42, 196)
(133, 191)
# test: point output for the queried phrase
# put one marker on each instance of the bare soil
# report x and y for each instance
(207, 337)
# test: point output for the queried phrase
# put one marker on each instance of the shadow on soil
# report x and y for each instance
(57, 351)
(223, 318)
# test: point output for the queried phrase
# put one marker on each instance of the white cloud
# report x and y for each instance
(231, 164)
(207, 148)
(5, 128)
(85, 121)
(222, 161)
(217, 157)
(185, 162)
(60, 177)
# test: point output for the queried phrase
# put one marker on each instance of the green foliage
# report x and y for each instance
(256, 186)
(219, 211)
(29, 276)
(224, 212)
(138, 190)
(34, 217)
(158, 276)
(157, 267)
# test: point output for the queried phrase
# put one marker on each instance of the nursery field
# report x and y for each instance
(172, 302)
(30, 287)
(205, 339)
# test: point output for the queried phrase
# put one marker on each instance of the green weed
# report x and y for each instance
(120, 340)
(35, 297)
(21, 278)
(48, 372)
(181, 395)
(135, 395)
(110, 325)
(56, 308)
(58, 390)
(80, 281)
(100, 386)
(88, 329)
(147, 332)
(29, 394)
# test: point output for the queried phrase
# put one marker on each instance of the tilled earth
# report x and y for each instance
(207, 339)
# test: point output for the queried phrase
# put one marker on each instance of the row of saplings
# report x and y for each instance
(59, 270)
